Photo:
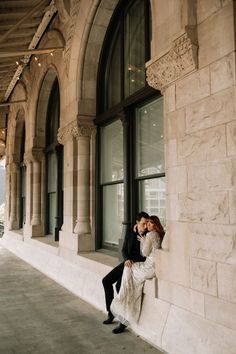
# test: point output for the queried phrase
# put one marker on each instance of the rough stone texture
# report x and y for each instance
(221, 312)
(206, 145)
(169, 103)
(232, 207)
(175, 124)
(207, 8)
(204, 207)
(231, 138)
(193, 88)
(179, 176)
(213, 242)
(190, 333)
(204, 276)
(222, 73)
(182, 297)
(174, 265)
(211, 111)
(214, 176)
(226, 276)
(215, 36)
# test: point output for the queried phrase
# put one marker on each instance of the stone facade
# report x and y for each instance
(192, 306)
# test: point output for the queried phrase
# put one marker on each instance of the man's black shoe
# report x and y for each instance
(119, 329)
(109, 319)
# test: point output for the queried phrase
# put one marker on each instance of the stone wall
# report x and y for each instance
(196, 271)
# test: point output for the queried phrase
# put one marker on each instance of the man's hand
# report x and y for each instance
(128, 263)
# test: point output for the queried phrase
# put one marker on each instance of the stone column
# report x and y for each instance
(28, 186)
(83, 134)
(65, 138)
(36, 221)
(75, 234)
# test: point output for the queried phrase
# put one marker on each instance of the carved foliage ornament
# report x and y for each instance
(75, 129)
(179, 61)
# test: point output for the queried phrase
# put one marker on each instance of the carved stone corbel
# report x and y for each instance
(66, 133)
(180, 60)
(84, 129)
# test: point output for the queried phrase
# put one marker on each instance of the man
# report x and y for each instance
(131, 254)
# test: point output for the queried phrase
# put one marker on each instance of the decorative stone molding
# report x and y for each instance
(66, 133)
(179, 61)
(75, 129)
(84, 129)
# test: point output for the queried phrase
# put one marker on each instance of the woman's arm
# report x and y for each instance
(145, 245)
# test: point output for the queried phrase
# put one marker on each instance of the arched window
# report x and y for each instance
(54, 163)
(131, 168)
(22, 204)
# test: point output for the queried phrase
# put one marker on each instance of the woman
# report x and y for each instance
(126, 305)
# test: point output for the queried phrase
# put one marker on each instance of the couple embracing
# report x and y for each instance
(129, 276)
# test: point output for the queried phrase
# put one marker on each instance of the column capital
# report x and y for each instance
(75, 129)
(66, 133)
(180, 60)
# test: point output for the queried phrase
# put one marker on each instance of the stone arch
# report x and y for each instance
(86, 49)
(42, 105)
(16, 130)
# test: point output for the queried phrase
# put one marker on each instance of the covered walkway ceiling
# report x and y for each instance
(22, 24)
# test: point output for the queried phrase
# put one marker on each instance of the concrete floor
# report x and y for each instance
(37, 315)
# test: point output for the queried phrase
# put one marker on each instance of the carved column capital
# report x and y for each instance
(180, 60)
(75, 129)
(84, 129)
(66, 133)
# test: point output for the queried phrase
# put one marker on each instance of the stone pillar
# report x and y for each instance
(83, 135)
(36, 217)
(65, 138)
(35, 175)
(28, 186)
(76, 138)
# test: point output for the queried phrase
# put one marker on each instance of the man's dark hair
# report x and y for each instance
(141, 215)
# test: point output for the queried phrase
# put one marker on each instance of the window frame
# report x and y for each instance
(125, 109)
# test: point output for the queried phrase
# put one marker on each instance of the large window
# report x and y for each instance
(131, 168)
(111, 179)
(22, 204)
(150, 168)
(54, 157)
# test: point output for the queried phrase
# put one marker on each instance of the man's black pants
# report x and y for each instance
(114, 276)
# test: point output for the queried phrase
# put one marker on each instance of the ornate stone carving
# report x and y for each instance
(75, 129)
(179, 61)
(84, 129)
(69, 26)
(66, 133)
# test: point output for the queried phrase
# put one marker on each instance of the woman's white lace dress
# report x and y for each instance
(126, 305)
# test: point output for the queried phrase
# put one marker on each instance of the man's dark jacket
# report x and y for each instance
(131, 248)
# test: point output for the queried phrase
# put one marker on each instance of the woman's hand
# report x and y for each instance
(141, 238)
(128, 263)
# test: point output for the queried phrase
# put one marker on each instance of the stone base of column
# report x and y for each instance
(82, 227)
(36, 231)
(13, 225)
(71, 243)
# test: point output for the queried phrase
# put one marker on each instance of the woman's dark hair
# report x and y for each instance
(141, 215)
(159, 228)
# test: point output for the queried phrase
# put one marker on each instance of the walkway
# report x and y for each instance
(38, 316)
